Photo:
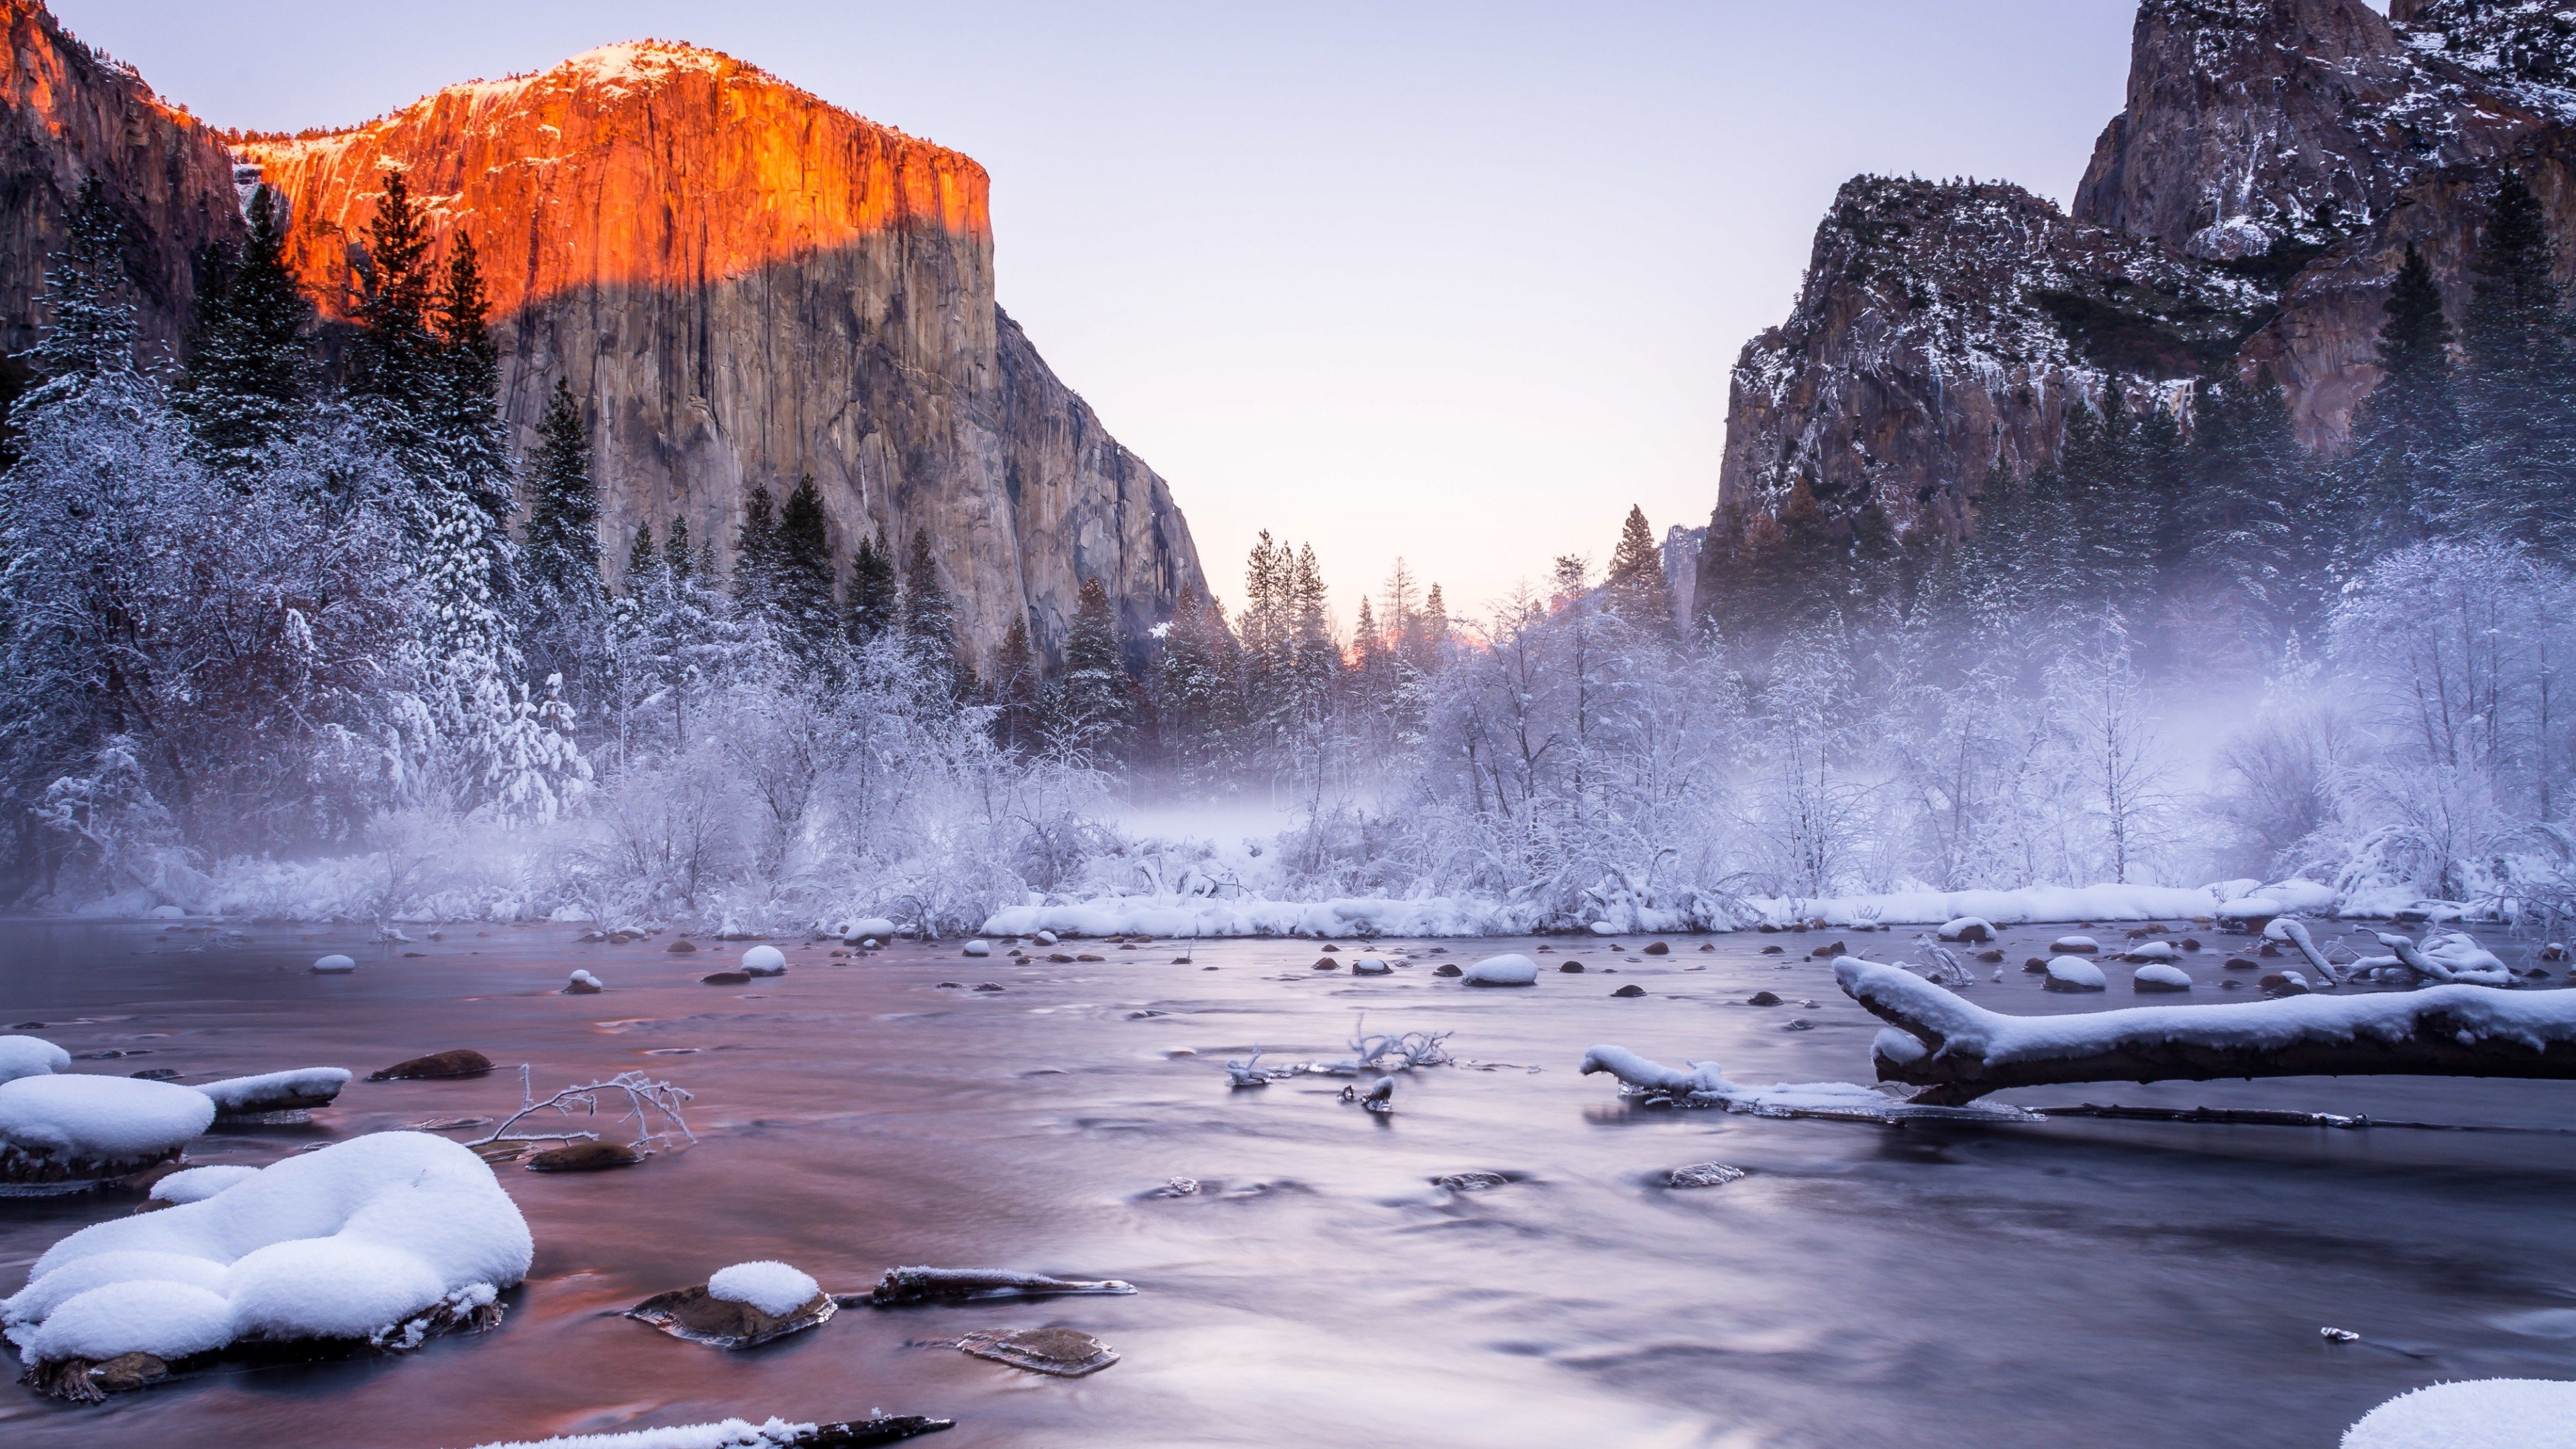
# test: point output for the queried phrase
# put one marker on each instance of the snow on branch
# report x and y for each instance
(1958, 1052)
(647, 1100)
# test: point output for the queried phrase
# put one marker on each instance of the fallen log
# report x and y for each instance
(1958, 1052)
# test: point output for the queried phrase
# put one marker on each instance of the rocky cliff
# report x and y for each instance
(746, 285)
(69, 114)
(2246, 210)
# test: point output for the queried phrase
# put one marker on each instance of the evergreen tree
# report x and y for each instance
(560, 560)
(875, 599)
(2399, 472)
(675, 550)
(1094, 707)
(249, 380)
(802, 587)
(1636, 590)
(1019, 692)
(89, 304)
(393, 355)
(2252, 529)
(1434, 633)
(640, 556)
(929, 619)
(2518, 472)
(465, 417)
(756, 560)
(1199, 691)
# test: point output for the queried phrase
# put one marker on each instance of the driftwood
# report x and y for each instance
(1958, 1052)
(902, 1287)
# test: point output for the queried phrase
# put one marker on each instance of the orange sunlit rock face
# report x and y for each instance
(642, 163)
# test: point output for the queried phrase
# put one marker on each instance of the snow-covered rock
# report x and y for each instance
(765, 961)
(168, 913)
(772, 1287)
(1971, 929)
(727, 1434)
(31, 1056)
(1509, 970)
(59, 1128)
(334, 965)
(582, 983)
(2159, 977)
(2475, 1414)
(382, 1238)
(2074, 973)
(2153, 951)
(2075, 945)
(979, 948)
(867, 928)
(289, 1091)
(1370, 966)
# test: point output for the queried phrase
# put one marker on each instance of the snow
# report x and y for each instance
(100, 1119)
(584, 978)
(2040, 904)
(2074, 945)
(1706, 1086)
(30, 1056)
(2533, 1018)
(1371, 966)
(196, 1184)
(873, 928)
(1510, 970)
(772, 1287)
(2153, 951)
(1967, 928)
(168, 913)
(2074, 973)
(2158, 977)
(2476, 1414)
(979, 948)
(729, 1434)
(348, 1242)
(764, 961)
(334, 966)
(249, 1094)
(1338, 918)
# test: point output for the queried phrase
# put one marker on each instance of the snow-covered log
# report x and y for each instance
(1959, 1052)
(1706, 1086)
(742, 1434)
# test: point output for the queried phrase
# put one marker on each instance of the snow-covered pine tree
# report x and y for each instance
(1018, 685)
(559, 560)
(392, 358)
(250, 375)
(802, 586)
(1636, 589)
(1199, 693)
(876, 600)
(2400, 470)
(465, 417)
(2517, 474)
(929, 620)
(1093, 708)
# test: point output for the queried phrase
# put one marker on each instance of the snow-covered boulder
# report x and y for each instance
(334, 965)
(743, 1434)
(582, 983)
(383, 1239)
(31, 1056)
(765, 961)
(2074, 973)
(2156, 976)
(196, 1184)
(1370, 966)
(1971, 929)
(2075, 945)
(772, 1287)
(60, 1130)
(293, 1091)
(1045, 938)
(168, 913)
(2152, 951)
(867, 928)
(1513, 970)
(2477, 1414)
(979, 948)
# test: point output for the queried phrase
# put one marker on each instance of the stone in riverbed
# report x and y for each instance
(334, 965)
(1763, 998)
(1703, 1174)
(1326, 963)
(697, 1315)
(460, 1062)
(726, 978)
(583, 984)
(1065, 1353)
(1570, 968)
(1630, 991)
(1447, 968)
(585, 1157)
(682, 947)
(1472, 1181)
(1658, 948)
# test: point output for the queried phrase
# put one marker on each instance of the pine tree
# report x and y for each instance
(250, 375)
(929, 620)
(675, 551)
(640, 556)
(560, 559)
(876, 601)
(1434, 633)
(465, 420)
(1636, 590)
(392, 358)
(756, 561)
(1094, 707)
(1019, 691)
(2518, 473)
(803, 583)
(89, 305)
(1199, 691)
(2399, 474)
(2252, 530)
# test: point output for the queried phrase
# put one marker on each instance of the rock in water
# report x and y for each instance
(457, 1063)
(979, 948)
(1063, 1352)
(1570, 968)
(1447, 968)
(725, 978)
(724, 1314)
(1703, 1174)
(1630, 991)
(583, 984)
(2074, 973)
(764, 961)
(1370, 966)
(2158, 977)
(682, 947)
(1763, 998)
(1472, 1181)
(1508, 970)
(903, 1286)
(1658, 948)
(334, 966)
(585, 1157)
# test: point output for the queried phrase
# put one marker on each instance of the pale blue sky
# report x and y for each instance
(1459, 281)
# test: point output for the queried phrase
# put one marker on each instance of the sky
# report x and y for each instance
(1457, 280)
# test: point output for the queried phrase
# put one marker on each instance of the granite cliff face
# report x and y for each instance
(746, 285)
(2247, 210)
(68, 115)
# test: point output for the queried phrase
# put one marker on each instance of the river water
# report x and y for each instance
(2079, 1282)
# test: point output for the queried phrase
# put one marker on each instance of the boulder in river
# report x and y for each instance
(1703, 1174)
(682, 947)
(902, 1287)
(1763, 998)
(1658, 948)
(1570, 968)
(1506, 970)
(334, 965)
(1065, 1353)
(743, 1306)
(276, 1098)
(1631, 991)
(585, 1157)
(461, 1062)
(1447, 968)
(583, 984)
(2074, 973)
(725, 978)
(2157, 976)
(765, 961)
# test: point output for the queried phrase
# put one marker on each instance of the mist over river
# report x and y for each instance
(2077, 1282)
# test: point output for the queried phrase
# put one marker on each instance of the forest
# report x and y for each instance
(291, 636)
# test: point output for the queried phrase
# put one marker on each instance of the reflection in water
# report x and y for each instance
(1942, 1284)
